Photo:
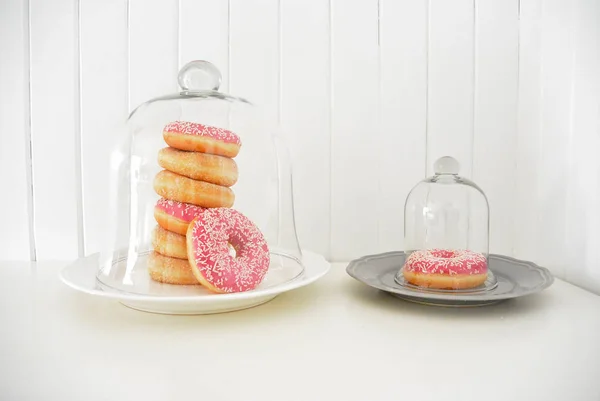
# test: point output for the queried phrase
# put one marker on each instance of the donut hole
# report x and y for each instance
(232, 251)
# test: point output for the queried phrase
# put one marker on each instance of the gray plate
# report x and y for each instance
(514, 278)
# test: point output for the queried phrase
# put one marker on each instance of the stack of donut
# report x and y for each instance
(197, 228)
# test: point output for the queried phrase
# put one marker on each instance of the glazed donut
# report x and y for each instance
(168, 243)
(164, 269)
(175, 216)
(445, 269)
(201, 138)
(208, 237)
(183, 189)
(215, 169)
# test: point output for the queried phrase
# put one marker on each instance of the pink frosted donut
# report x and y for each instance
(196, 137)
(175, 216)
(208, 238)
(445, 269)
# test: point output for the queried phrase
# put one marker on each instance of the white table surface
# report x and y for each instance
(333, 340)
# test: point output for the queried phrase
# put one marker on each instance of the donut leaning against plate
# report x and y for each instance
(445, 269)
(215, 169)
(208, 238)
(197, 137)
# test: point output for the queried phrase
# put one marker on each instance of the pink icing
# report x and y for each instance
(189, 128)
(442, 261)
(212, 233)
(179, 210)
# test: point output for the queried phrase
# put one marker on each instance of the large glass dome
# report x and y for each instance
(446, 233)
(200, 180)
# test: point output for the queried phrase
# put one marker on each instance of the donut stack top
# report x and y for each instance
(196, 137)
(196, 129)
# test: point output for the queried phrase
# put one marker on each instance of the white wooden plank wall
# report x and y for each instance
(203, 34)
(529, 134)
(582, 232)
(372, 90)
(403, 39)
(494, 115)
(105, 102)
(305, 114)
(354, 140)
(450, 72)
(55, 120)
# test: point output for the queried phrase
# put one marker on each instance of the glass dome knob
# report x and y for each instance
(446, 165)
(199, 75)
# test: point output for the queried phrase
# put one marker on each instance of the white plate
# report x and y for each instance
(81, 276)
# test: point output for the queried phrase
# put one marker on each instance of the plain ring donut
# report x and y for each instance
(168, 243)
(205, 167)
(164, 269)
(183, 189)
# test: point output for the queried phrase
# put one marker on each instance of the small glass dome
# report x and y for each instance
(446, 233)
(200, 179)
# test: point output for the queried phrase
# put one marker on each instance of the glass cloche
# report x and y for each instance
(201, 196)
(446, 233)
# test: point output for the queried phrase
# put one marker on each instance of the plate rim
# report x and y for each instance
(308, 276)
(459, 298)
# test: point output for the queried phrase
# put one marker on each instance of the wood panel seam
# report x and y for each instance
(78, 133)
(330, 129)
(28, 137)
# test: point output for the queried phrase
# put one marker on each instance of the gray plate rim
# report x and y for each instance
(462, 297)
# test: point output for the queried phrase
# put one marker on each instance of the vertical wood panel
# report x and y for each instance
(450, 110)
(153, 44)
(529, 139)
(104, 106)
(54, 106)
(254, 53)
(495, 126)
(582, 233)
(204, 34)
(254, 60)
(591, 10)
(305, 84)
(403, 111)
(14, 144)
(556, 80)
(355, 131)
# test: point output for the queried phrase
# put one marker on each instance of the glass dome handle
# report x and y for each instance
(199, 75)
(446, 165)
